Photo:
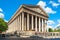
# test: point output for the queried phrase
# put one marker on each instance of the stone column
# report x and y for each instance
(18, 24)
(39, 25)
(35, 23)
(27, 21)
(12, 26)
(32, 22)
(42, 24)
(45, 25)
(22, 21)
(15, 24)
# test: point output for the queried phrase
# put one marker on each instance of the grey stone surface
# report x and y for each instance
(22, 39)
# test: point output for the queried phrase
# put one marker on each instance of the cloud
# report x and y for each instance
(50, 22)
(58, 20)
(49, 26)
(1, 10)
(5, 20)
(57, 26)
(58, 0)
(47, 9)
(1, 15)
(42, 4)
(54, 4)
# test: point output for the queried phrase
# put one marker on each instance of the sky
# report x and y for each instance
(51, 7)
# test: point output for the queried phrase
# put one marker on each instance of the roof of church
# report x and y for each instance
(31, 7)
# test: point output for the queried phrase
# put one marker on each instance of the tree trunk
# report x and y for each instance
(0, 31)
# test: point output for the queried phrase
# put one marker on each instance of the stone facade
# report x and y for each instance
(28, 18)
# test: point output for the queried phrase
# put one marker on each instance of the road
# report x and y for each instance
(17, 38)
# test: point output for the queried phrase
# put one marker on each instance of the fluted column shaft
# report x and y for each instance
(35, 23)
(32, 22)
(27, 21)
(22, 21)
(18, 24)
(39, 25)
(46, 26)
(42, 24)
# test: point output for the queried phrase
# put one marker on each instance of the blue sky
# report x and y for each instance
(51, 7)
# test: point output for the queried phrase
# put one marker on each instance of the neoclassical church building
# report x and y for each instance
(28, 19)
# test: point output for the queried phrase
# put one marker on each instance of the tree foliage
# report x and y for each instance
(58, 30)
(3, 25)
(50, 30)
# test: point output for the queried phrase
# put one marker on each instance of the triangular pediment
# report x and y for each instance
(36, 9)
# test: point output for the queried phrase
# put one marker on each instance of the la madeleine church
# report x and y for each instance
(27, 20)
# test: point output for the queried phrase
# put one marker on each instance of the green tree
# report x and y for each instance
(58, 30)
(3, 25)
(50, 30)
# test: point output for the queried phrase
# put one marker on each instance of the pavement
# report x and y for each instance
(18, 38)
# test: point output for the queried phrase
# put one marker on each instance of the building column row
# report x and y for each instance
(21, 25)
